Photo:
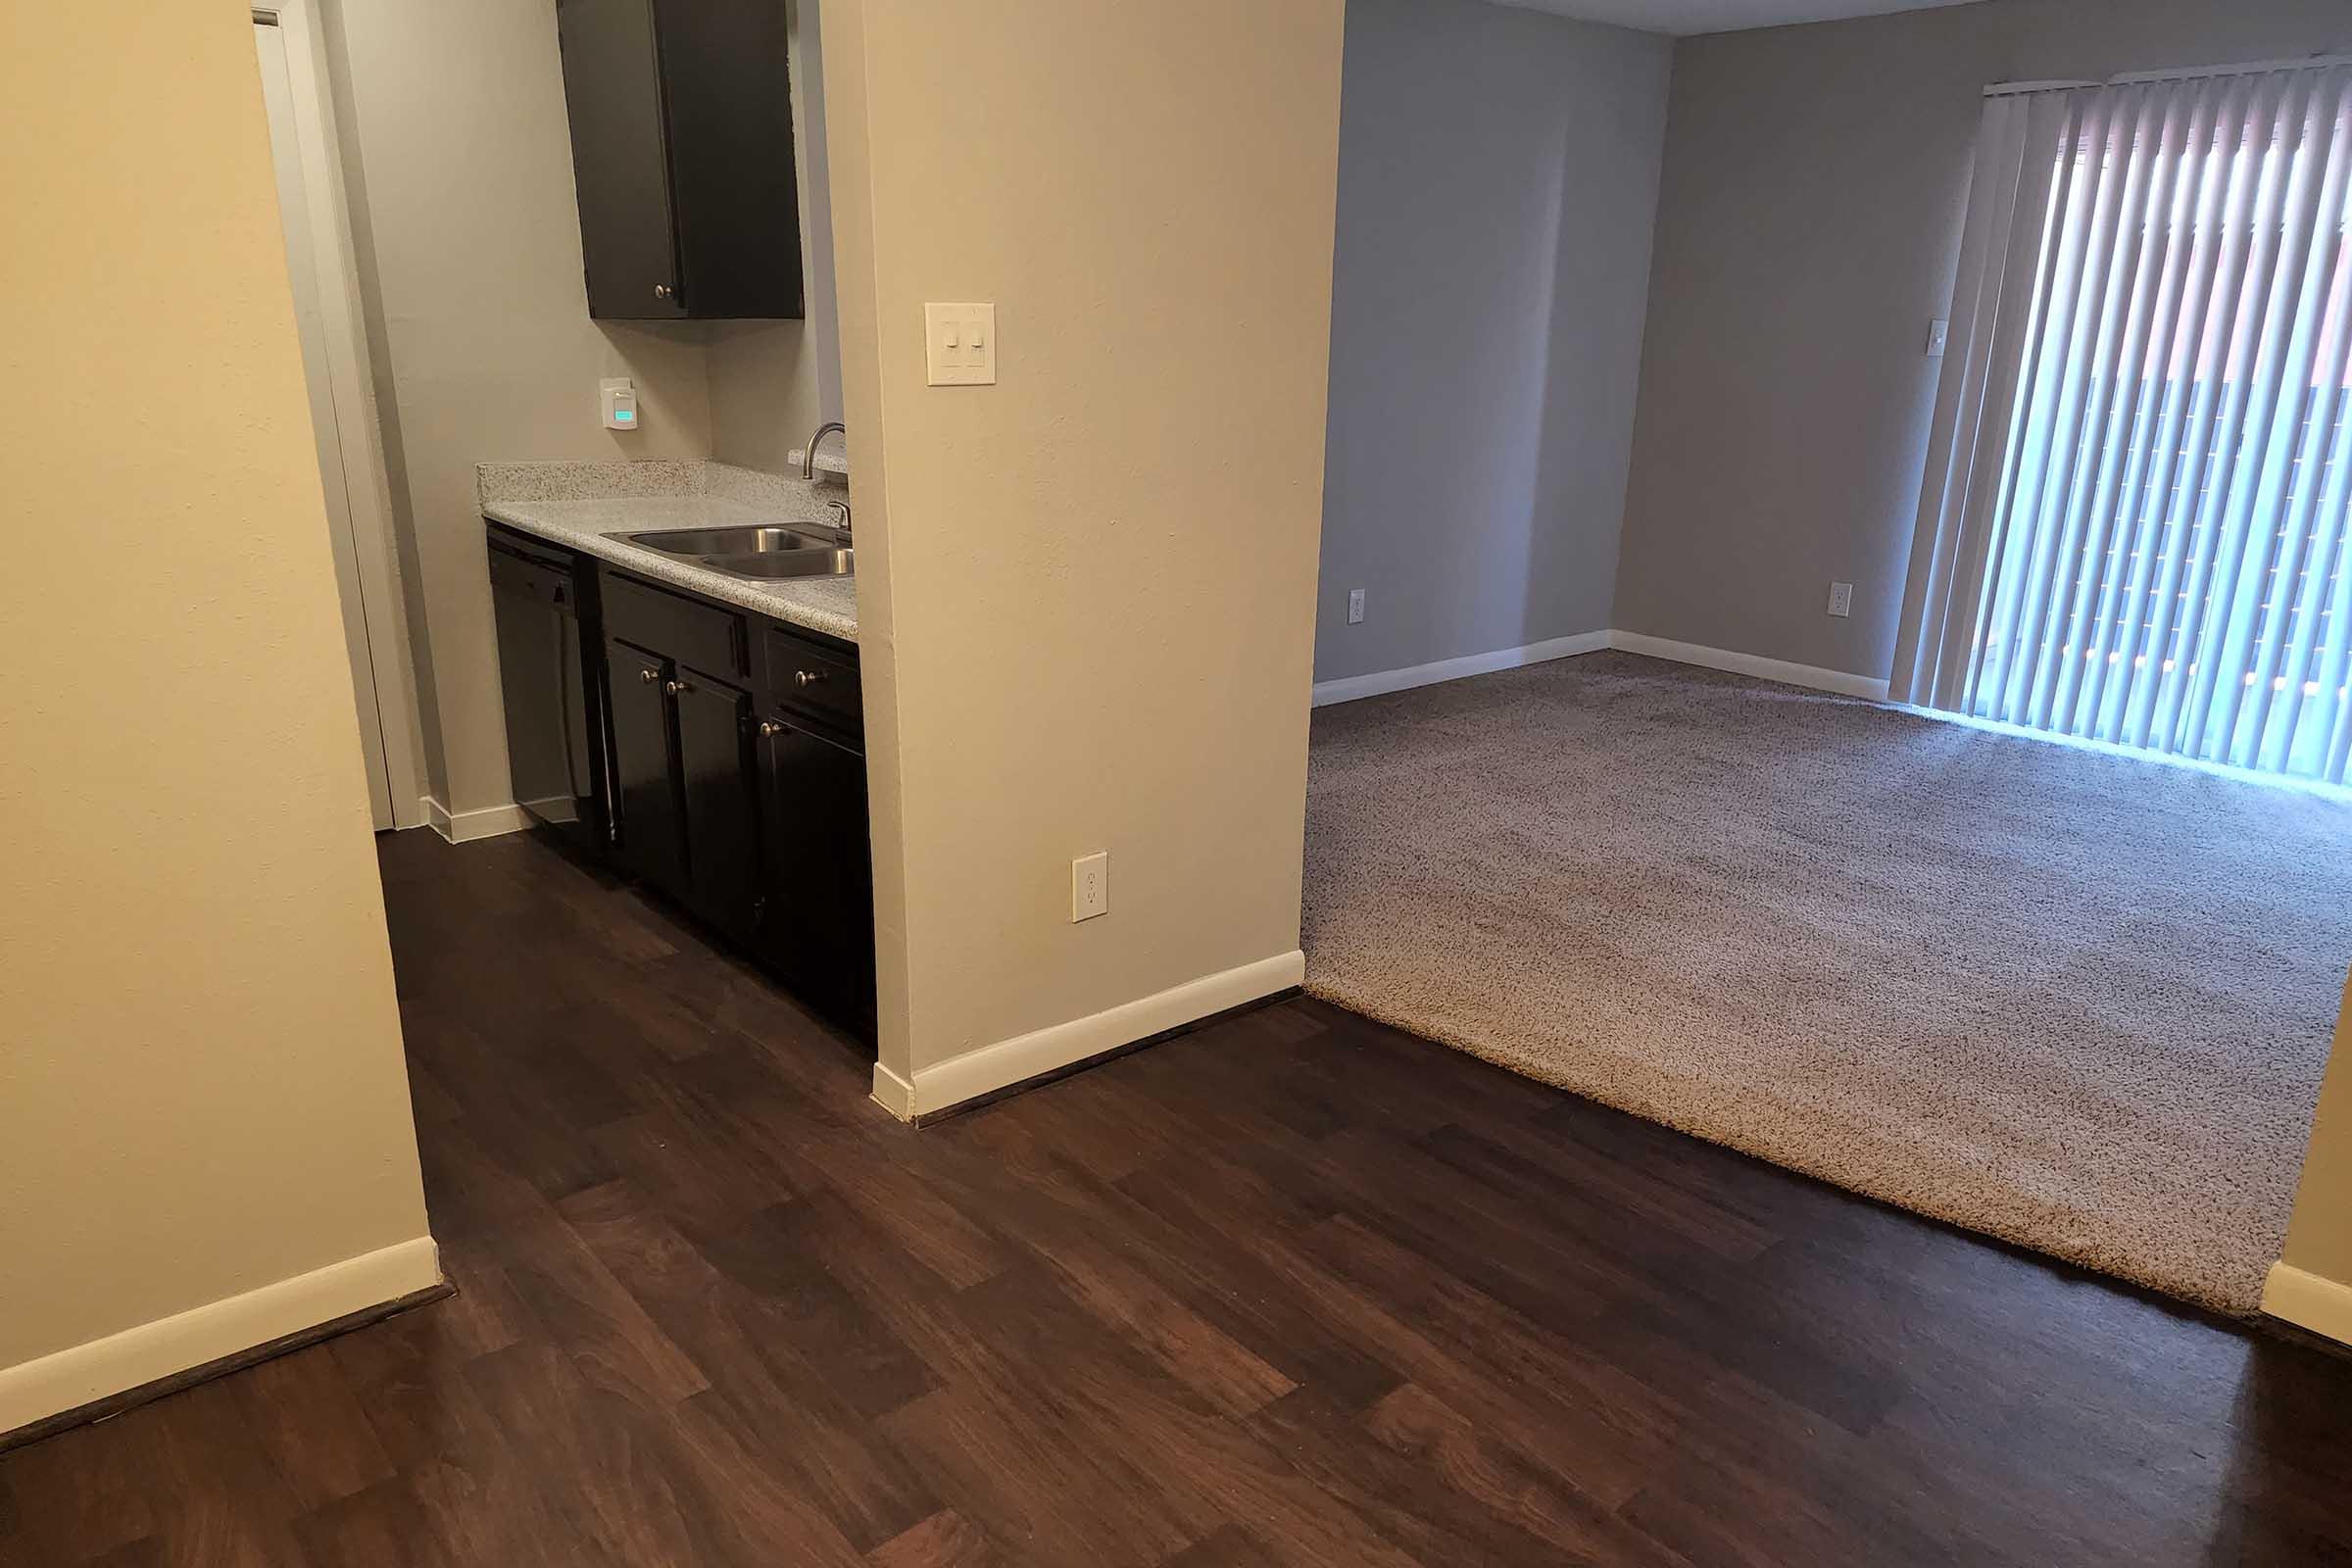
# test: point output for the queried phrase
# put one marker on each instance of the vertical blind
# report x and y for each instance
(2134, 522)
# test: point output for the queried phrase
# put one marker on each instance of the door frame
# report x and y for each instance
(352, 385)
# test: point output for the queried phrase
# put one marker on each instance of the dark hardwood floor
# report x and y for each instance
(1293, 1289)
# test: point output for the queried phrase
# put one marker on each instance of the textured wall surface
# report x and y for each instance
(458, 161)
(1499, 171)
(201, 1084)
(1086, 592)
(2319, 1240)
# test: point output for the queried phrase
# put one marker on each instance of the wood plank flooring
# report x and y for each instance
(1295, 1289)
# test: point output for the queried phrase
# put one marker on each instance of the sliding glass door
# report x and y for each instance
(2136, 518)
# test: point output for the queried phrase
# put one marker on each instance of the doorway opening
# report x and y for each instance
(324, 277)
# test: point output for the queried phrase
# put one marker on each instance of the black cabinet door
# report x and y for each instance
(620, 158)
(651, 843)
(734, 193)
(722, 821)
(682, 155)
(818, 925)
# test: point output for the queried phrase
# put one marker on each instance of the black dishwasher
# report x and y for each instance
(555, 706)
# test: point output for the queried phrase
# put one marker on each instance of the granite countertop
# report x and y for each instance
(581, 505)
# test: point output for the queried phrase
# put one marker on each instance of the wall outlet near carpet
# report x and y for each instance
(1842, 599)
(1355, 605)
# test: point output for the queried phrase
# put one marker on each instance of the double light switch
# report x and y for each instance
(960, 344)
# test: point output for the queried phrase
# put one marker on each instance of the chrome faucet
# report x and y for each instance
(808, 454)
(841, 520)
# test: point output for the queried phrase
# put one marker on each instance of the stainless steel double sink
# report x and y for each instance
(812, 550)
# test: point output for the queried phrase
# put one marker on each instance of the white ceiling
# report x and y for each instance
(1681, 17)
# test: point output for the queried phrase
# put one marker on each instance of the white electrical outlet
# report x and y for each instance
(1842, 599)
(1090, 886)
(1355, 605)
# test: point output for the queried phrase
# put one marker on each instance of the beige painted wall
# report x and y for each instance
(457, 158)
(201, 1084)
(1087, 593)
(1808, 230)
(2318, 1239)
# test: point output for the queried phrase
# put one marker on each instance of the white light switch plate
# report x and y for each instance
(959, 344)
(1939, 332)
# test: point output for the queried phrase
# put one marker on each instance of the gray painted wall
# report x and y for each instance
(1808, 230)
(1499, 171)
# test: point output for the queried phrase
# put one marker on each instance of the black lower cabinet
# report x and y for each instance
(689, 818)
(651, 844)
(728, 766)
(722, 805)
(819, 921)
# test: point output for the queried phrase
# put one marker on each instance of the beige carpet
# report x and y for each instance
(2078, 1002)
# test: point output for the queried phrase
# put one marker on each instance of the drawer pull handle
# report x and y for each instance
(809, 678)
(770, 729)
(676, 687)
(649, 676)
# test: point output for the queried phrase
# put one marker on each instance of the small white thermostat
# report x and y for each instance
(620, 403)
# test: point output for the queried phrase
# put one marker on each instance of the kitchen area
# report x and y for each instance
(677, 642)
(678, 667)
(601, 347)
(617, 528)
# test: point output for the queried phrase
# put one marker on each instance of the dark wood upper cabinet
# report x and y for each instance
(682, 154)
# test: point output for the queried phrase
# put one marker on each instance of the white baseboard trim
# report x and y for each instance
(988, 1068)
(81, 1374)
(1348, 687)
(893, 1093)
(1779, 669)
(463, 828)
(2309, 1301)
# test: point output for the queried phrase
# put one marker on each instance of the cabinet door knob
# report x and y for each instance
(665, 293)
(809, 678)
(770, 729)
(675, 687)
(649, 676)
